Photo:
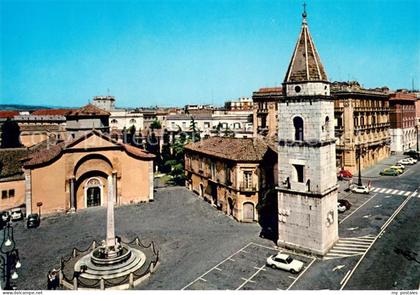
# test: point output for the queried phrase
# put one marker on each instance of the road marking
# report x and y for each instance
(352, 228)
(309, 265)
(344, 277)
(231, 259)
(377, 206)
(201, 279)
(388, 191)
(218, 269)
(394, 191)
(382, 190)
(356, 209)
(338, 267)
(376, 189)
(413, 194)
(345, 251)
(293, 278)
(388, 222)
(250, 279)
(216, 266)
(244, 251)
(407, 193)
(401, 193)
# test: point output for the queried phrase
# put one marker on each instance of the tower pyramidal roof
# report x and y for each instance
(305, 64)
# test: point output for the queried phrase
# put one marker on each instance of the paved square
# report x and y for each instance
(246, 269)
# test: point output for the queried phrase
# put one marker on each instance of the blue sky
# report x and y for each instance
(174, 52)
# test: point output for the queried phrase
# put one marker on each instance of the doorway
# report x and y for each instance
(93, 196)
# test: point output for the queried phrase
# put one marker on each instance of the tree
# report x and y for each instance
(166, 153)
(228, 132)
(10, 135)
(155, 124)
(176, 162)
(195, 136)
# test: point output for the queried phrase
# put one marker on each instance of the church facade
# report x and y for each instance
(80, 173)
(307, 192)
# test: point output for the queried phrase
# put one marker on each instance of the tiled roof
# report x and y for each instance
(8, 114)
(305, 64)
(236, 149)
(52, 112)
(10, 164)
(52, 151)
(88, 110)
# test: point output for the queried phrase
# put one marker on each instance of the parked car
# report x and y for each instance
(285, 262)
(397, 169)
(389, 172)
(413, 154)
(344, 203)
(344, 174)
(341, 208)
(33, 220)
(5, 216)
(16, 214)
(412, 159)
(406, 161)
(400, 166)
(360, 189)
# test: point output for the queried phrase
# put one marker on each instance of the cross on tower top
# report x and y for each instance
(304, 14)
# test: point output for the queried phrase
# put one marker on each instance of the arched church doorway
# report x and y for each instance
(93, 193)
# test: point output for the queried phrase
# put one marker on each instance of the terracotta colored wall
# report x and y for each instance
(134, 182)
(49, 186)
(18, 199)
(30, 139)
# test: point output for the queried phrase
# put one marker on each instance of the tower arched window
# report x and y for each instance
(327, 124)
(298, 124)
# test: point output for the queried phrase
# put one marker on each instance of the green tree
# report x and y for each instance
(228, 133)
(156, 124)
(195, 132)
(176, 162)
(166, 153)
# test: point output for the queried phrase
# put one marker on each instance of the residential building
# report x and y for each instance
(265, 111)
(403, 121)
(231, 173)
(83, 120)
(361, 119)
(307, 192)
(122, 118)
(241, 104)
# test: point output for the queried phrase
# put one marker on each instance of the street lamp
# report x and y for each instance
(359, 182)
(10, 261)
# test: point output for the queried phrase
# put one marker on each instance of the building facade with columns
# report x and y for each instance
(77, 174)
(307, 191)
(361, 119)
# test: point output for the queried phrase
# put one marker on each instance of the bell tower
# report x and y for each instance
(307, 192)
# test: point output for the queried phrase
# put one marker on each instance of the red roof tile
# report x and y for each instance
(88, 110)
(8, 114)
(236, 149)
(52, 112)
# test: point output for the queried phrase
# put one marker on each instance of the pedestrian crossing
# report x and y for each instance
(396, 192)
(347, 247)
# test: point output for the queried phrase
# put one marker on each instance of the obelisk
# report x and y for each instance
(110, 225)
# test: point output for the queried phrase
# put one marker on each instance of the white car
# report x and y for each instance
(16, 214)
(405, 162)
(360, 189)
(412, 160)
(341, 208)
(285, 262)
(400, 166)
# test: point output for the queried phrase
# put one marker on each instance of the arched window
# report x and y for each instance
(298, 124)
(132, 121)
(327, 124)
(114, 121)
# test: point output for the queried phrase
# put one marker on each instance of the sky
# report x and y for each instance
(177, 52)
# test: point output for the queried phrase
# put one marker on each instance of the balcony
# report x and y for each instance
(246, 187)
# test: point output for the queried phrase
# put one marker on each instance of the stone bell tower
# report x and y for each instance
(307, 197)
